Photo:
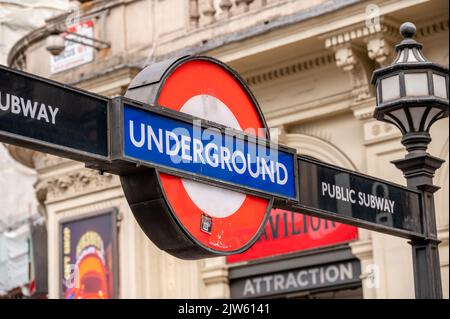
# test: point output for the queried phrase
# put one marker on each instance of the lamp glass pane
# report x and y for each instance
(431, 115)
(411, 57)
(416, 84)
(417, 114)
(55, 40)
(420, 55)
(401, 57)
(440, 88)
(390, 88)
(400, 116)
(390, 119)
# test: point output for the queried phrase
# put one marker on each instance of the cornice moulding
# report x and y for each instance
(364, 110)
(443, 236)
(321, 134)
(360, 31)
(75, 184)
(49, 165)
(362, 248)
(433, 28)
(320, 108)
(303, 65)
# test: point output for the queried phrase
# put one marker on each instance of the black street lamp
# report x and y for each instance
(412, 94)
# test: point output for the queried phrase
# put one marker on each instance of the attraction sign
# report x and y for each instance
(342, 273)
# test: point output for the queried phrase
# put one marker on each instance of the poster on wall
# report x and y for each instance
(89, 257)
(74, 54)
(288, 232)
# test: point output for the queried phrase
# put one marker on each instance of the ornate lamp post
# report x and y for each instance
(412, 94)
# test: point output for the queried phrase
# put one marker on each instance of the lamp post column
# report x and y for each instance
(412, 94)
(418, 168)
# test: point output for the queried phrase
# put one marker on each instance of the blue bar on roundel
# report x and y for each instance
(174, 144)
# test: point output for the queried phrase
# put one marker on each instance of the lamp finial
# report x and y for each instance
(407, 30)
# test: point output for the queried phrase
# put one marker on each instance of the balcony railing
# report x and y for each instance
(207, 12)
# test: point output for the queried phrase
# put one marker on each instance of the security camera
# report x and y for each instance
(55, 44)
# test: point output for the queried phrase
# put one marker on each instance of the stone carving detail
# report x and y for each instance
(42, 160)
(225, 6)
(207, 11)
(41, 192)
(314, 132)
(194, 15)
(256, 4)
(350, 59)
(363, 111)
(351, 56)
(376, 131)
(385, 28)
(242, 6)
(74, 183)
(215, 276)
(387, 128)
(278, 134)
(380, 50)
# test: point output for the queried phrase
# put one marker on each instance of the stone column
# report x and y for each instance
(215, 277)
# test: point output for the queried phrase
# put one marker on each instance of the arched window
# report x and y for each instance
(319, 149)
(323, 151)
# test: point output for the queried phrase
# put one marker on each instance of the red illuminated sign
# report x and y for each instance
(287, 232)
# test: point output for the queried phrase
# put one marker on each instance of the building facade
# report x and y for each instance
(309, 65)
(19, 209)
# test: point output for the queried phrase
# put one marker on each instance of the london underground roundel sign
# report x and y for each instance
(184, 217)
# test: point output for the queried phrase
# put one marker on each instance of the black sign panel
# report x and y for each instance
(343, 273)
(357, 199)
(50, 117)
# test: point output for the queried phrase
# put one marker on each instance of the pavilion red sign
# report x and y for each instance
(288, 232)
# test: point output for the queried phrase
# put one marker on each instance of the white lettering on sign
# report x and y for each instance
(193, 150)
(359, 198)
(28, 108)
(299, 280)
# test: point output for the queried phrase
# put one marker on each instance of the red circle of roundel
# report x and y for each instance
(204, 77)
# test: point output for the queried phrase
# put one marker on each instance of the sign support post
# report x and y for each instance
(419, 172)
